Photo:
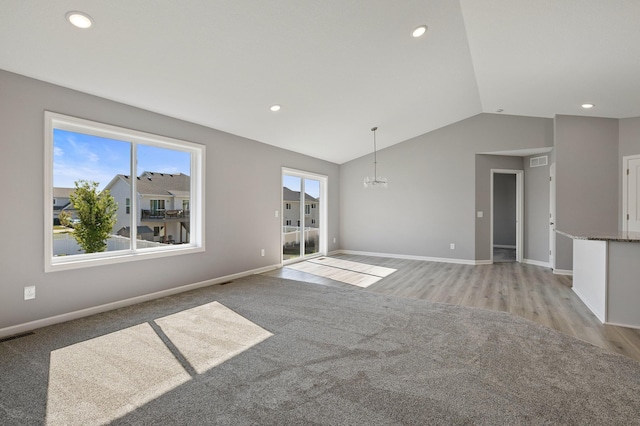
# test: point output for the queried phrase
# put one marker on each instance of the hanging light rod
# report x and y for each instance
(375, 181)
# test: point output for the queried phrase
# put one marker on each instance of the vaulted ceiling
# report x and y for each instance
(336, 67)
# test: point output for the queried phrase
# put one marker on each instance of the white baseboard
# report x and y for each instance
(436, 259)
(412, 257)
(622, 325)
(588, 305)
(568, 272)
(503, 246)
(22, 328)
(536, 263)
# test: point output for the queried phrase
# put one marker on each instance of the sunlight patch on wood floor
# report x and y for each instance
(346, 271)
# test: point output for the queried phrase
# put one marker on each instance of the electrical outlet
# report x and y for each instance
(30, 292)
(452, 246)
(480, 214)
(276, 213)
(262, 252)
(334, 240)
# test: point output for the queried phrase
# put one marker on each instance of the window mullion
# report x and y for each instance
(133, 217)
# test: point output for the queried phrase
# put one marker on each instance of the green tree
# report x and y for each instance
(65, 218)
(97, 213)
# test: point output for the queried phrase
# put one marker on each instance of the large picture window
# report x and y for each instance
(131, 195)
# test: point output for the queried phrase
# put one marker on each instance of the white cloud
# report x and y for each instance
(82, 150)
(92, 157)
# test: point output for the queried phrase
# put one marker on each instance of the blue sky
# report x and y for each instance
(78, 156)
(312, 187)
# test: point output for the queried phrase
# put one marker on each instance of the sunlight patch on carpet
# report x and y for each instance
(346, 271)
(102, 379)
(210, 334)
(105, 378)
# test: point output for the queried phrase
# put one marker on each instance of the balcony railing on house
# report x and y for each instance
(163, 215)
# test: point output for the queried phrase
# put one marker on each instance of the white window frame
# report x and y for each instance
(197, 193)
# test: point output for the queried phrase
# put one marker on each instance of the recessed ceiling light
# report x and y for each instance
(419, 31)
(587, 106)
(79, 19)
(275, 108)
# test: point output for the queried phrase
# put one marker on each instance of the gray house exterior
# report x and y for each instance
(61, 199)
(162, 202)
(291, 209)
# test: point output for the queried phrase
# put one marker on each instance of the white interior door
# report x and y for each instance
(632, 219)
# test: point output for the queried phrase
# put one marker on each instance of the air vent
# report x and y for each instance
(16, 336)
(539, 161)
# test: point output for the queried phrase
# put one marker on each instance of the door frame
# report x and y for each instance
(552, 216)
(323, 213)
(625, 188)
(519, 210)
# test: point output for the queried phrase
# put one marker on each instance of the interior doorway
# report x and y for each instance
(506, 215)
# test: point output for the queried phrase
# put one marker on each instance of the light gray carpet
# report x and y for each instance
(323, 355)
(504, 254)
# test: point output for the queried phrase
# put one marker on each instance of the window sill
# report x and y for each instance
(65, 263)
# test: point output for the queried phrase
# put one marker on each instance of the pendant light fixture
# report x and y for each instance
(375, 181)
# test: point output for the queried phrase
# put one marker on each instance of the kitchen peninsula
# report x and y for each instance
(606, 275)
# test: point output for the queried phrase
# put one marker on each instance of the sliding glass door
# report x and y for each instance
(303, 208)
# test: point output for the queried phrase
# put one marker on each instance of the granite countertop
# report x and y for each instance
(620, 236)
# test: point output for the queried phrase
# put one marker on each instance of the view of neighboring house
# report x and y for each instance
(291, 209)
(60, 201)
(144, 232)
(163, 206)
(292, 225)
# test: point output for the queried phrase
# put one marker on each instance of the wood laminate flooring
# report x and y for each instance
(532, 292)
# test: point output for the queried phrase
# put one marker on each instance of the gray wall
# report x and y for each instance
(484, 164)
(504, 209)
(243, 190)
(629, 134)
(536, 210)
(586, 152)
(431, 199)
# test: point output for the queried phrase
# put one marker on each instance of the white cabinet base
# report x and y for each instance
(590, 275)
